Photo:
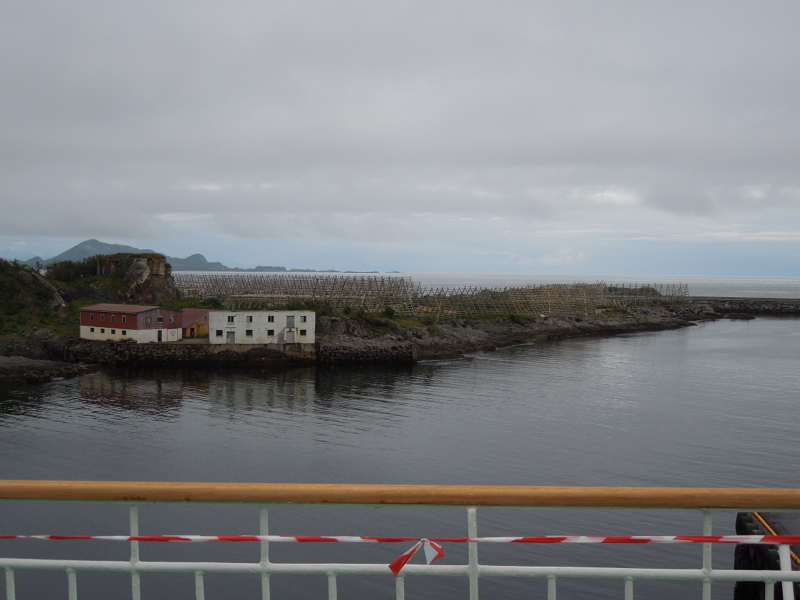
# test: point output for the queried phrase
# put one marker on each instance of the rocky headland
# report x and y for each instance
(368, 339)
(361, 338)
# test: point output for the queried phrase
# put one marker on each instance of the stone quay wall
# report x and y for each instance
(175, 353)
(367, 351)
(340, 351)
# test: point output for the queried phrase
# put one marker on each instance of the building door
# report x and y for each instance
(290, 321)
(290, 337)
(230, 337)
(159, 335)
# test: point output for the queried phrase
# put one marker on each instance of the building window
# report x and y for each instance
(113, 318)
(270, 332)
(91, 329)
(113, 332)
(230, 319)
(91, 316)
(249, 318)
(124, 319)
(302, 332)
(160, 319)
(219, 332)
(271, 319)
(302, 318)
(102, 331)
(102, 318)
(148, 320)
(172, 318)
(249, 333)
(124, 332)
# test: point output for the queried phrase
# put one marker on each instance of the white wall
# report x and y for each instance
(258, 322)
(142, 336)
(104, 333)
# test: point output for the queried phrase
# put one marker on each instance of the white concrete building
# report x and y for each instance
(261, 327)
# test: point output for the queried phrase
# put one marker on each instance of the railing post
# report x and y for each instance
(769, 590)
(629, 588)
(264, 530)
(472, 531)
(707, 555)
(72, 584)
(331, 586)
(784, 553)
(136, 589)
(199, 586)
(400, 588)
(11, 594)
(551, 587)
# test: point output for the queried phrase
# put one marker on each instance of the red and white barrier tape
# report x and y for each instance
(539, 539)
(433, 551)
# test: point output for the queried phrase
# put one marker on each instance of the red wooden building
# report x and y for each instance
(126, 322)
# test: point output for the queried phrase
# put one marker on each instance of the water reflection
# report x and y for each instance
(155, 395)
(301, 389)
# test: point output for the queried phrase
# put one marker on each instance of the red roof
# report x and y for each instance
(193, 315)
(119, 308)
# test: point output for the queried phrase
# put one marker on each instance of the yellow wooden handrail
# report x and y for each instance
(455, 495)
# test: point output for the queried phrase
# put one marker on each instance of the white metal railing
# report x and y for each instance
(472, 497)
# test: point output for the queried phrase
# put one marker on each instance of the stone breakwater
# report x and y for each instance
(751, 307)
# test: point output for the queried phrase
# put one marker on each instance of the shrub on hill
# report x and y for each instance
(69, 271)
(24, 300)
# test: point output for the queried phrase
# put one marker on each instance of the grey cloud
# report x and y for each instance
(511, 109)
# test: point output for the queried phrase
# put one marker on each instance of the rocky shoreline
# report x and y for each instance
(342, 339)
(17, 369)
(456, 337)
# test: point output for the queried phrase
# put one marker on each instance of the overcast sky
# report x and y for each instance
(552, 137)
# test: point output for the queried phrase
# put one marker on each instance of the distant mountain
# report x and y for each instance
(87, 249)
(195, 262)
(31, 262)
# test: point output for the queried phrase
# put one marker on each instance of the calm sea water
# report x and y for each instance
(711, 405)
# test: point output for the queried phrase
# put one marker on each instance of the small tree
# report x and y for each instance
(121, 268)
(212, 303)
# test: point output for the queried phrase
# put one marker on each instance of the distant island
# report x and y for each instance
(195, 262)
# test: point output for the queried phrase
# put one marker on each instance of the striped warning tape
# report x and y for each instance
(539, 539)
(432, 550)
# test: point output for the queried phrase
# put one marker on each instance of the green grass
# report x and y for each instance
(23, 305)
